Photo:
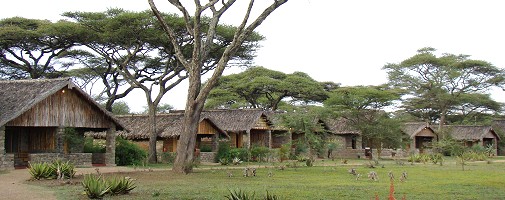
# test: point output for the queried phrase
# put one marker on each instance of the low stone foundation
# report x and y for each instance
(207, 156)
(7, 161)
(78, 159)
(360, 153)
(349, 153)
(98, 158)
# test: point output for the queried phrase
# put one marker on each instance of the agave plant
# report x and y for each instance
(41, 170)
(121, 185)
(95, 186)
(67, 169)
(239, 195)
(271, 196)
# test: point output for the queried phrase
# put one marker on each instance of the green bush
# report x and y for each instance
(240, 153)
(41, 170)
(223, 151)
(259, 153)
(168, 157)
(128, 153)
(91, 147)
(120, 185)
(74, 140)
(95, 186)
(205, 148)
(284, 151)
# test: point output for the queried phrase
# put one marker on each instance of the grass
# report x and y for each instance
(480, 180)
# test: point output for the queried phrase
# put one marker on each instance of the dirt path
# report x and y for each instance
(13, 187)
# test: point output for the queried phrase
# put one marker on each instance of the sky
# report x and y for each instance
(344, 41)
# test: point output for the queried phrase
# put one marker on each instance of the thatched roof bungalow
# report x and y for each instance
(35, 113)
(423, 134)
(169, 127)
(349, 137)
(246, 127)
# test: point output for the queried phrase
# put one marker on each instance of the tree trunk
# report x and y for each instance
(186, 145)
(441, 123)
(187, 141)
(153, 135)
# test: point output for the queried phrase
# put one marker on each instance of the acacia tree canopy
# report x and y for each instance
(32, 48)
(258, 87)
(442, 85)
(363, 108)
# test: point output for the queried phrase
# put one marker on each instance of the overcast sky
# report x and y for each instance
(347, 42)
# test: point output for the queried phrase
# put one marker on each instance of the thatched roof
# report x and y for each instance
(172, 124)
(469, 132)
(413, 128)
(169, 125)
(236, 119)
(340, 126)
(458, 132)
(17, 97)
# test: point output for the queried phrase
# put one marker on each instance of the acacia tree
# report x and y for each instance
(363, 108)
(446, 85)
(122, 40)
(203, 41)
(32, 48)
(259, 87)
(136, 51)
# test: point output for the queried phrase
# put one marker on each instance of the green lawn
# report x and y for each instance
(480, 180)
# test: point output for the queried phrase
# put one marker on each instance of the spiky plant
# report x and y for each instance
(95, 186)
(121, 185)
(239, 195)
(41, 170)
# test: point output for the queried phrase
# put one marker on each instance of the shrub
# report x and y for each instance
(74, 140)
(437, 158)
(91, 147)
(240, 153)
(284, 152)
(259, 153)
(168, 157)
(120, 185)
(41, 170)
(224, 161)
(95, 186)
(128, 153)
(223, 151)
(205, 148)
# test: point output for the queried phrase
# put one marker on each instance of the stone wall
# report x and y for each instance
(360, 153)
(78, 159)
(349, 153)
(98, 158)
(207, 156)
(7, 161)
